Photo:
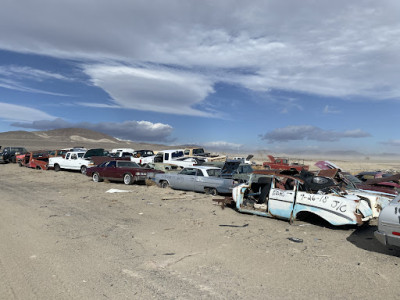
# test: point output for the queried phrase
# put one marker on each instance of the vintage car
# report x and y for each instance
(290, 197)
(120, 170)
(197, 178)
(388, 232)
(9, 154)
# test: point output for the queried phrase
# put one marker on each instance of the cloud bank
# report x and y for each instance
(331, 48)
(311, 133)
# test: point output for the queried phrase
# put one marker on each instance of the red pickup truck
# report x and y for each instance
(279, 163)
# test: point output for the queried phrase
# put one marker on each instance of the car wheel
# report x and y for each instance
(57, 167)
(96, 177)
(213, 191)
(20, 164)
(164, 184)
(128, 179)
(38, 168)
(83, 170)
(13, 159)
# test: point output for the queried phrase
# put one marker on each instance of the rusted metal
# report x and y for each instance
(224, 201)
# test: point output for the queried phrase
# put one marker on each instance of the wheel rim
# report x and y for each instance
(127, 179)
(83, 170)
(96, 177)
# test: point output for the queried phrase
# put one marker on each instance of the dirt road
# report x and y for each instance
(63, 237)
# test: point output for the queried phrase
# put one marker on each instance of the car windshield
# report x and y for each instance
(127, 164)
(214, 172)
(198, 151)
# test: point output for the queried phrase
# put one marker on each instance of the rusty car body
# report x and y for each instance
(35, 159)
(280, 163)
(289, 197)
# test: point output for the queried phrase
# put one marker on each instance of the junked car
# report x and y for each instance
(388, 232)
(9, 154)
(36, 160)
(197, 178)
(120, 170)
(288, 197)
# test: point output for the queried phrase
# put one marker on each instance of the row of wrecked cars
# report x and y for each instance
(277, 189)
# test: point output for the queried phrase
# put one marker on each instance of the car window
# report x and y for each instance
(187, 152)
(199, 173)
(74, 156)
(127, 164)
(188, 171)
(213, 172)
(68, 155)
(111, 164)
(81, 155)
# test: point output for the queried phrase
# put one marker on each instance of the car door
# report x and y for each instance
(282, 197)
(185, 179)
(109, 169)
(200, 181)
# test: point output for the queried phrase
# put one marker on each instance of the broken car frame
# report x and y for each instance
(287, 197)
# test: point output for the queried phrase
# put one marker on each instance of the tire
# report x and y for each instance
(128, 179)
(96, 177)
(164, 184)
(38, 168)
(20, 164)
(13, 159)
(57, 167)
(83, 170)
(213, 191)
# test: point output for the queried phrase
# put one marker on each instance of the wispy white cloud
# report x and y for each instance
(312, 133)
(18, 113)
(393, 143)
(18, 78)
(331, 110)
(30, 73)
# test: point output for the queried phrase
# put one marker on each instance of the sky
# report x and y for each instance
(282, 76)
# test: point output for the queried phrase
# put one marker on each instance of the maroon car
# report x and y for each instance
(120, 170)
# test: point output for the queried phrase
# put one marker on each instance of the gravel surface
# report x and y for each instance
(63, 236)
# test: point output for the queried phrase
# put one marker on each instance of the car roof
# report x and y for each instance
(203, 168)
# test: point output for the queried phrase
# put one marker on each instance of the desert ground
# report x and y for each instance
(63, 236)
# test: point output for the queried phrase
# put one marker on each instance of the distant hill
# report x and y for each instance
(68, 137)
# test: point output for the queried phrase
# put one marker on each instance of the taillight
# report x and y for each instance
(396, 233)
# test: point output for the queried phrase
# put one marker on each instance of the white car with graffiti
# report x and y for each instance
(287, 197)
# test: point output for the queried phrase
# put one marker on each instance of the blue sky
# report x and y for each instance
(285, 76)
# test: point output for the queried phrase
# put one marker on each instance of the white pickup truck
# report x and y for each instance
(175, 157)
(75, 160)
